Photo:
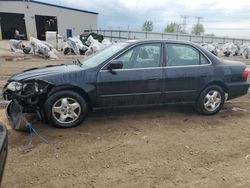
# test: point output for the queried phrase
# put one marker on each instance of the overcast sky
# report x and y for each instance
(221, 17)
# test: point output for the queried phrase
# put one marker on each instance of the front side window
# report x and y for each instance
(183, 55)
(102, 55)
(142, 56)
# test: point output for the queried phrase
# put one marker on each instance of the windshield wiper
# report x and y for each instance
(77, 62)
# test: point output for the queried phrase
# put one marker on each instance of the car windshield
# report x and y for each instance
(101, 56)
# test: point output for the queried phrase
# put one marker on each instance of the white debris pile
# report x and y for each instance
(106, 42)
(74, 45)
(94, 45)
(211, 48)
(230, 49)
(16, 46)
(42, 48)
(244, 50)
(36, 46)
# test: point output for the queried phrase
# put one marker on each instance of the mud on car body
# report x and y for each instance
(134, 73)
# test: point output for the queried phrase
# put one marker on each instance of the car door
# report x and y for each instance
(138, 82)
(187, 70)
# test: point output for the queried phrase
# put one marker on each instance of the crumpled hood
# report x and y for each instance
(45, 71)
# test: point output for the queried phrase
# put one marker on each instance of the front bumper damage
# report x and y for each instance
(16, 117)
(24, 103)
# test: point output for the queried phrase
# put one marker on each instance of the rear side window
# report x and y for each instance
(183, 55)
(203, 60)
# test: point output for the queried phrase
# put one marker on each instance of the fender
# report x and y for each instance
(214, 82)
(89, 94)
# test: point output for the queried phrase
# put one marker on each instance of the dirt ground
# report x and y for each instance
(155, 147)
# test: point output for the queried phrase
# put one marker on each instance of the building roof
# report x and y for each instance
(53, 5)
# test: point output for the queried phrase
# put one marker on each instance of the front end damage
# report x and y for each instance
(25, 98)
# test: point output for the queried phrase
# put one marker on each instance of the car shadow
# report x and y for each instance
(122, 114)
(142, 111)
(99, 123)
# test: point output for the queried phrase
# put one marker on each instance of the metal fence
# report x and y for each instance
(129, 35)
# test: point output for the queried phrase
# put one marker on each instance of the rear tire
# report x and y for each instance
(66, 109)
(211, 100)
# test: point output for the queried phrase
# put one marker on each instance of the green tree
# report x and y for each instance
(173, 27)
(198, 29)
(210, 34)
(147, 26)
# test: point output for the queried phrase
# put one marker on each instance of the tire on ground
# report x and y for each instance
(200, 103)
(65, 94)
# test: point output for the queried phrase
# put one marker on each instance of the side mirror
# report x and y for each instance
(115, 64)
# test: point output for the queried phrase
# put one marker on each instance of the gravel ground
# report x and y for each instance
(155, 147)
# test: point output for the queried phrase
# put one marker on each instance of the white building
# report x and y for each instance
(34, 18)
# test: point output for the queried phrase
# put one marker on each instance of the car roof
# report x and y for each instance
(159, 40)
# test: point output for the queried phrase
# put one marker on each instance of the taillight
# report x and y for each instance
(245, 73)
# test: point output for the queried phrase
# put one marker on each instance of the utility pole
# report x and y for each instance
(184, 22)
(128, 33)
(198, 19)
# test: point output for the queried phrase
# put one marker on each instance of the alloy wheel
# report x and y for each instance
(66, 110)
(212, 100)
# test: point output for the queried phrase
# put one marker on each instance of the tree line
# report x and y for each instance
(173, 27)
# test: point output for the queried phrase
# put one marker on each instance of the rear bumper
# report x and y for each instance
(237, 89)
(3, 149)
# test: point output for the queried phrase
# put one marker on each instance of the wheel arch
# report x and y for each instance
(76, 89)
(217, 83)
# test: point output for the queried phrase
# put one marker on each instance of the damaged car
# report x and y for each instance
(126, 74)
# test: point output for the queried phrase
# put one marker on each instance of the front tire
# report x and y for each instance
(66, 109)
(211, 100)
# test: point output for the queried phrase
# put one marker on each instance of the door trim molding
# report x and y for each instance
(131, 94)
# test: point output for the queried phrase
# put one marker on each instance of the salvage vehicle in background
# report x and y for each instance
(211, 48)
(3, 149)
(133, 73)
(75, 46)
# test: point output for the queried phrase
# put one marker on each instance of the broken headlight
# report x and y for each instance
(34, 87)
(31, 87)
(15, 86)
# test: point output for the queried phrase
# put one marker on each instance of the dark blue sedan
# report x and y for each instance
(133, 73)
